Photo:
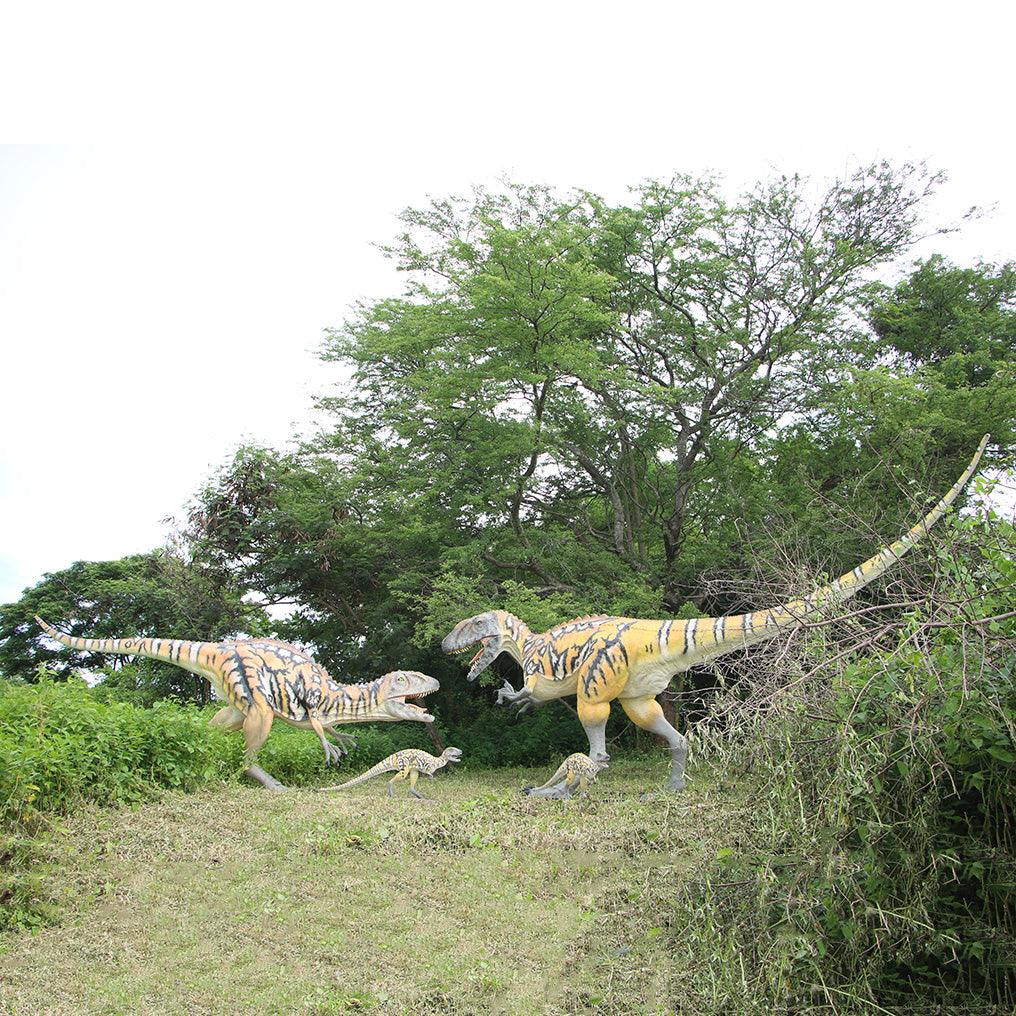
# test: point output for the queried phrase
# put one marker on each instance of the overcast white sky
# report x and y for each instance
(223, 170)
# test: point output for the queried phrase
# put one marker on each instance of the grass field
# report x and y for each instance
(240, 901)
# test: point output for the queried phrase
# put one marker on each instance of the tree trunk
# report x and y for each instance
(435, 738)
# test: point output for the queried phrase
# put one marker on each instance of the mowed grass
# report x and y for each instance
(237, 900)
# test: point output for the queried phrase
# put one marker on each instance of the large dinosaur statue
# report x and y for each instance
(262, 680)
(411, 763)
(600, 659)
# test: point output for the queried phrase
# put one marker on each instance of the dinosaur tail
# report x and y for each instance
(384, 766)
(708, 637)
(555, 779)
(177, 651)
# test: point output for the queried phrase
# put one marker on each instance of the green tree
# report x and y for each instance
(609, 407)
(566, 371)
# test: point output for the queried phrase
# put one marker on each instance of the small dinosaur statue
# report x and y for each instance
(600, 659)
(410, 762)
(262, 680)
(576, 770)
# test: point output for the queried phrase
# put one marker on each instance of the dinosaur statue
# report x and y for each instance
(412, 763)
(262, 679)
(599, 659)
(576, 770)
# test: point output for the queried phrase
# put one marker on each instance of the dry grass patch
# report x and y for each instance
(240, 901)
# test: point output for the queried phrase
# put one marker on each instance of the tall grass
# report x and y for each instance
(877, 871)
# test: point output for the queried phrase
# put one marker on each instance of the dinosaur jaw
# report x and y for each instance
(406, 707)
(403, 691)
(490, 648)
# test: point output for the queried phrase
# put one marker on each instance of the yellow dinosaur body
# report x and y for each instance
(601, 659)
(263, 680)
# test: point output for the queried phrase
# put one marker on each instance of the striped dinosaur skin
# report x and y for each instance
(263, 680)
(600, 659)
(577, 771)
(410, 763)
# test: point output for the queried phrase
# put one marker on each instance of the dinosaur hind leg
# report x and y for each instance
(257, 725)
(414, 775)
(228, 718)
(648, 714)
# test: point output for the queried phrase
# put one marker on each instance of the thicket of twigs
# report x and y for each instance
(876, 871)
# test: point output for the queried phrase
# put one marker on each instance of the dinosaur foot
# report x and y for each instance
(333, 753)
(269, 782)
(670, 789)
(419, 796)
(558, 793)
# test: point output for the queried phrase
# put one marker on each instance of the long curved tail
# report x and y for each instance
(562, 769)
(707, 637)
(384, 766)
(179, 651)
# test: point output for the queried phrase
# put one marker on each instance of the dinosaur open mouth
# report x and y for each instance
(462, 650)
(410, 707)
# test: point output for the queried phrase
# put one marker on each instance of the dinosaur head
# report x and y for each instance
(601, 761)
(495, 632)
(452, 754)
(395, 688)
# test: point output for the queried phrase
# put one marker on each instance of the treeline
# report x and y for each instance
(583, 406)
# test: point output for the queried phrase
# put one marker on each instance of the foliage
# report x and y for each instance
(562, 367)
(619, 408)
(878, 870)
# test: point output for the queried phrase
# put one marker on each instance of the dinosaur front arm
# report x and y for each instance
(523, 699)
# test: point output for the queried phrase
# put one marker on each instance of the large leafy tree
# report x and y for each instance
(567, 371)
(610, 408)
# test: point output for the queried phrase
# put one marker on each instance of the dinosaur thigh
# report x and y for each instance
(228, 718)
(647, 678)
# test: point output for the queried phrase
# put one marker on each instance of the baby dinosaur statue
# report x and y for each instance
(600, 659)
(410, 762)
(576, 770)
(262, 680)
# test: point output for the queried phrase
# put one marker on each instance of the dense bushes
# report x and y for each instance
(877, 872)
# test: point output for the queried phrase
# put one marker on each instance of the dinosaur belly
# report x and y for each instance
(650, 678)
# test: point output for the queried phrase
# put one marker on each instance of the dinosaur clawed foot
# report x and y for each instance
(522, 698)
(333, 753)
(419, 796)
(345, 742)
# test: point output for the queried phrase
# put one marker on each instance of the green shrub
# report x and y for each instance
(878, 872)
